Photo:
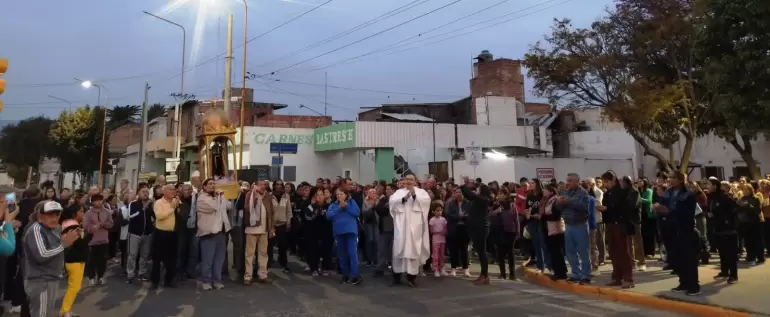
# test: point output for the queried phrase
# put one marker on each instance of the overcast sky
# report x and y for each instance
(48, 43)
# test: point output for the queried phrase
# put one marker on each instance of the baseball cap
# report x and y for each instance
(52, 207)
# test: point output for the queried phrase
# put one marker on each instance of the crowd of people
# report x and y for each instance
(166, 233)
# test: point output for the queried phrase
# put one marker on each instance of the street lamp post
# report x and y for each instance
(63, 100)
(177, 110)
(243, 85)
(88, 84)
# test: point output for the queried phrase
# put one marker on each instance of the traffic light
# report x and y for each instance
(3, 68)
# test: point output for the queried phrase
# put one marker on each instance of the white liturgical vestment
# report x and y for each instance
(411, 241)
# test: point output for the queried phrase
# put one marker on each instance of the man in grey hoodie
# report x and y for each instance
(43, 254)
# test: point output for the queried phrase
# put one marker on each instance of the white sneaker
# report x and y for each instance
(453, 273)
(206, 286)
(219, 286)
(642, 268)
(102, 281)
(92, 281)
(595, 273)
(15, 310)
(436, 274)
(444, 273)
(421, 273)
(467, 273)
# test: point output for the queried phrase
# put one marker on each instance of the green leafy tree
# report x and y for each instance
(76, 138)
(734, 43)
(26, 143)
(156, 110)
(632, 63)
(122, 115)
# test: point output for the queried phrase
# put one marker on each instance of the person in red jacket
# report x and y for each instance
(521, 195)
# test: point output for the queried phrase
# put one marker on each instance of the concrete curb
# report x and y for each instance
(631, 298)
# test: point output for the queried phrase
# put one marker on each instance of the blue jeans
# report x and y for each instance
(542, 258)
(577, 247)
(372, 238)
(347, 253)
(213, 252)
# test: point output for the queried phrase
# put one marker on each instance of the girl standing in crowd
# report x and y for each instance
(504, 229)
(539, 254)
(114, 233)
(649, 223)
(75, 257)
(343, 214)
(555, 228)
(438, 230)
(457, 232)
(97, 223)
(50, 194)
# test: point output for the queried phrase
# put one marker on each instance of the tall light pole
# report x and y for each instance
(177, 110)
(63, 100)
(243, 85)
(88, 84)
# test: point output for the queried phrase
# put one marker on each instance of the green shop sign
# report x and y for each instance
(335, 137)
(267, 138)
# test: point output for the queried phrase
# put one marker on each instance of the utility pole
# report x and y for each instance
(326, 90)
(143, 143)
(229, 65)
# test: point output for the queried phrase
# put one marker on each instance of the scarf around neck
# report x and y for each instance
(255, 210)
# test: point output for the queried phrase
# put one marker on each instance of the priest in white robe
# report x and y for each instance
(409, 207)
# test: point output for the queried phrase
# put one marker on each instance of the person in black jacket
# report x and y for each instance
(478, 224)
(678, 205)
(140, 224)
(385, 226)
(616, 208)
(318, 234)
(723, 218)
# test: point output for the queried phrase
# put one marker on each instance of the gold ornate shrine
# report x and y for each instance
(216, 144)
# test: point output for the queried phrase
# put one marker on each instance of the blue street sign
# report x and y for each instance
(277, 160)
(288, 148)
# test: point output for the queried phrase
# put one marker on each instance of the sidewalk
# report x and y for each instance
(749, 295)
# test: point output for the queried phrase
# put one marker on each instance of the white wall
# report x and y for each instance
(711, 150)
(493, 110)
(130, 172)
(157, 128)
(5, 180)
(513, 169)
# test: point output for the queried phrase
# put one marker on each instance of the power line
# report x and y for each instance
(379, 18)
(256, 37)
(399, 44)
(363, 39)
(219, 56)
(363, 89)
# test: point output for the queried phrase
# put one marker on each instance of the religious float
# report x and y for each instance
(216, 143)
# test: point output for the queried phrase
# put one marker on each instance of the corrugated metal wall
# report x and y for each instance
(420, 135)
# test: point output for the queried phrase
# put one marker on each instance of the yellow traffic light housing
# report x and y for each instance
(3, 68)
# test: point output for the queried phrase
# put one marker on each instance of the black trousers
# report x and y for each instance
(668, 235)
(479, 238)
(686, 254)
(164, 251)
(754, 240)
(318, 250)
(97, 261)
(458, 248)
(123, 245)
(728, 254)
(555, 245)
(114, 237)
(649, 235)
(281, 240)
(297, 239)
(504, 242)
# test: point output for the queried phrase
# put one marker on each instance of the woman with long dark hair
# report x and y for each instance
(649, 218)
(555, 228)
(478, 225)
(50, 194)
(539, 254)
(504, 229)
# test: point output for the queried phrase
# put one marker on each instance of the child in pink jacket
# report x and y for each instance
(438, 230)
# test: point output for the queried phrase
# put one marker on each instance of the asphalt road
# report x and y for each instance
(299, 295)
